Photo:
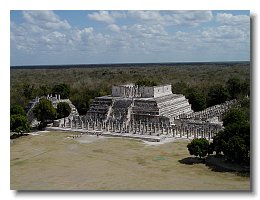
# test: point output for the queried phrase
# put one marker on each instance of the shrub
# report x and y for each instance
(198, 147)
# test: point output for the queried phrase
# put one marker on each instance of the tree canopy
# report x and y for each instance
(234, 116)
(146, 82)
(218, 94)
(44, 111)
(19, 123)
(63, 110)
(199, 147)
(62, 89)
(197, 99)
(234, 140)
(234, 87)
(17, 110)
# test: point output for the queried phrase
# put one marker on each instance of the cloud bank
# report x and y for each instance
(44, 37)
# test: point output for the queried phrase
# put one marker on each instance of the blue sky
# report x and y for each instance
(84, 37)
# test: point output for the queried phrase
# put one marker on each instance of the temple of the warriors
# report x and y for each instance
(148, 113)
(132, 103)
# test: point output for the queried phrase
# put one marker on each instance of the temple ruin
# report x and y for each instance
(55, 99)
(132, 103)
(148, 113)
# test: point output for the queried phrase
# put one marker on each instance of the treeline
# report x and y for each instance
(197, 83)
(203, 96)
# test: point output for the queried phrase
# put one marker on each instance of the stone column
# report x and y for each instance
(87, 125)
(120, 128)
(70, 122)
(81, 123)
(161, 129)
(92, 123)
(173, 131)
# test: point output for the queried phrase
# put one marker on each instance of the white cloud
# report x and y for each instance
(147, 31)
(145, 15)
(170, 18)
(193, 18)
(102, 16)
(234, 20)
(45, 19)
(225, 33)
(159, 34)
(114, 28)
(118, 14)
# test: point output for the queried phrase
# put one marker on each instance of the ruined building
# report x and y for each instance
(54, 100)
(132, 103)
(149, 113)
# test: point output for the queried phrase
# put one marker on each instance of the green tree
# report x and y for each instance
(217, 94)
(44, 111)
(217, 144)
(245, 87)
(236, 150)
(63, 110)
(19, 123)
(197, 99)
(62, 89)
(180, 88)
(43, 90)
(199, 147)
(234, 116)
(17, 110)
(28, 91)
(234, 141)
(145, 82)
(234, 87)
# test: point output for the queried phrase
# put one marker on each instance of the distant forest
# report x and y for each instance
(204, 84)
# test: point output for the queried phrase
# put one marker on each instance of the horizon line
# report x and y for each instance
(129, 63)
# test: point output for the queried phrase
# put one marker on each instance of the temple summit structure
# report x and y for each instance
(145, 104)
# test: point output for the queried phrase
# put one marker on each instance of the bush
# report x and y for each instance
(17, 110)
(19, 124)
(198, 147)
(236, 150)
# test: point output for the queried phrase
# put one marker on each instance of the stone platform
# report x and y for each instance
(150, 138)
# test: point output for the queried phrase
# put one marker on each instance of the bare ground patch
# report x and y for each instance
(52, 162)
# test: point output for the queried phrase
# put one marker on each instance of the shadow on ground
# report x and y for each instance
(218, 164)
(191, 160)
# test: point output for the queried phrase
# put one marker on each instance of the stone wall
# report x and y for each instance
(131, 90)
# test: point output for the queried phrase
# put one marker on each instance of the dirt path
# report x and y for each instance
(53, 161)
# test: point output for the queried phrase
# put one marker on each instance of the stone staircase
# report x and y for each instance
(120, 109)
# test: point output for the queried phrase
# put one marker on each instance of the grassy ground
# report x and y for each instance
(51, 161)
